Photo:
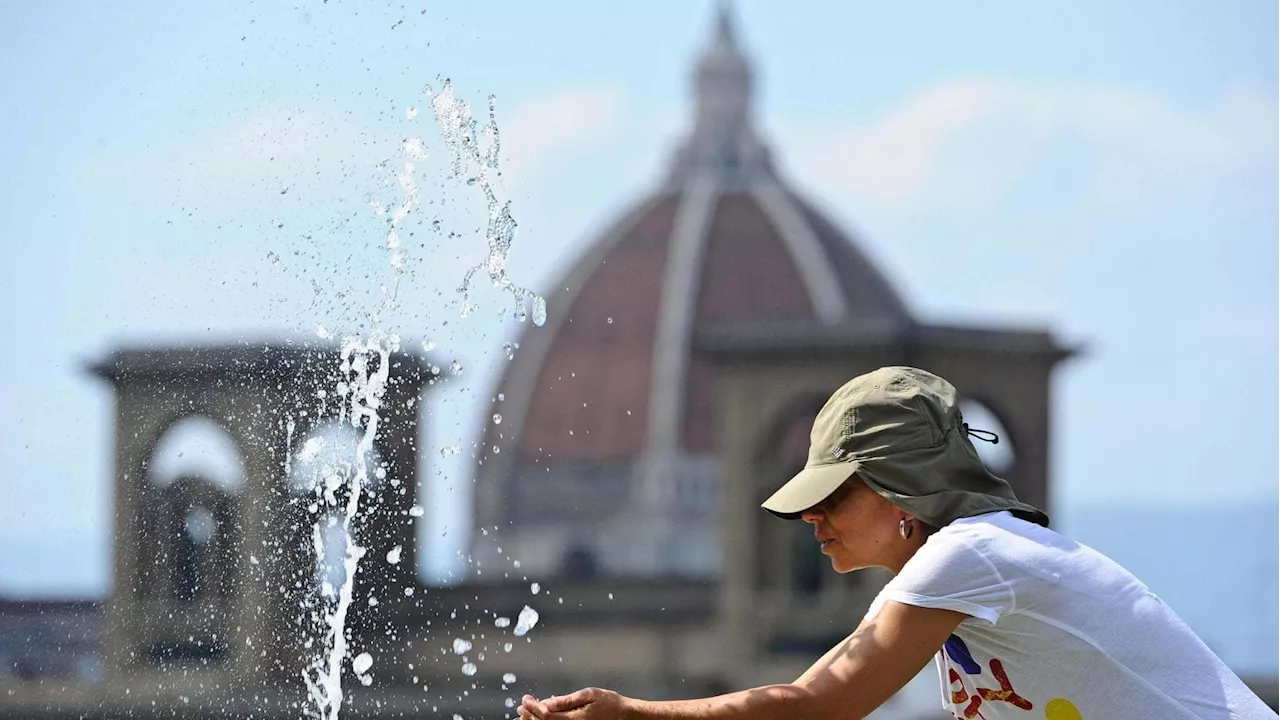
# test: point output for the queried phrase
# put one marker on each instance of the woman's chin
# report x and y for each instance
(844, 565)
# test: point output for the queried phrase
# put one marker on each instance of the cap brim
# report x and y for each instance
(808, 488)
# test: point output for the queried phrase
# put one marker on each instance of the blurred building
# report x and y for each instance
(685, 355)
(612, 463)
(50, 639)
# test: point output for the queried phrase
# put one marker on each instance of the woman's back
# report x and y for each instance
(1059, 631)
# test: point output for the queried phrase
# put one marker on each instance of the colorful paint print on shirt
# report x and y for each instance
(968, 701)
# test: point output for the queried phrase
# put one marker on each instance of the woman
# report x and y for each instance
(1020, 621)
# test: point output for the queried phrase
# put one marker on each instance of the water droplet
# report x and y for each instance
(373, 601)
(393, 237)
(428, 344)
(510, 350)
(416, 511)
(528, 618)
(411, 113)
(461, 647)
(509, 702)
(253, 560)
(448, 450)
(506, 647)
(468, 669)
(501, 397)
(610, 596)
(455, 368)
(393, 555)
(413, 150)
(362, 662)
(508, 678)
(535, 588)
(539, 311)
(502, 622)
(497, 419)
(322, 332)
(609, 320)
(274, 258)
(496, 449)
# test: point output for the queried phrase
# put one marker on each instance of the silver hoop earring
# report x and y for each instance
(906, 529)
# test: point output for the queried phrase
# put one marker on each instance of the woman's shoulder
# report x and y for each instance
(1018, 548)
(1002, 525)
(1000, 537)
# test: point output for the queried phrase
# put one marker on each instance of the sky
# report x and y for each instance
(197, 173)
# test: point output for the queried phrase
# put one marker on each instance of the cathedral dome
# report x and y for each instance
(607, 404)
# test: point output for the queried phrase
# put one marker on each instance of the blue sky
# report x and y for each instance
(1108, 170)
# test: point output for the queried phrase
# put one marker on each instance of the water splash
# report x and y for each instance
(365, 368)
(478, 162)
(410, 198)
(525, 622)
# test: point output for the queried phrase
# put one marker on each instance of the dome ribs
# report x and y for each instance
(605, 364)
(870, 296)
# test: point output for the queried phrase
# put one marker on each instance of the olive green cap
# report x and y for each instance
(900, 430)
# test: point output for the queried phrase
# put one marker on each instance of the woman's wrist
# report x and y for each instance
(633, 709)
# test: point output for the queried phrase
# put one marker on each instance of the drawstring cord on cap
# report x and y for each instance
(983, 435)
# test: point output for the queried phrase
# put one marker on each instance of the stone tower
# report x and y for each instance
(212, 561)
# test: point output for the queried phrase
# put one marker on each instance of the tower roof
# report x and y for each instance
(723, 139)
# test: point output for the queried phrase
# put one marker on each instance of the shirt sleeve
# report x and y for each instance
(948, 572)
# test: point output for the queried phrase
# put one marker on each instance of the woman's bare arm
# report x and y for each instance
(850, 681)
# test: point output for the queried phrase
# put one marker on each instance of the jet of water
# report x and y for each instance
(477, 161)
(365, 366)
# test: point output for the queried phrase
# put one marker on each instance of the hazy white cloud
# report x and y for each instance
(537, 131)
(895, 157)
(251, 161)
(275, 154)
(972, 142)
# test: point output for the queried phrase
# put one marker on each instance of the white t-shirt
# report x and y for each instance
(1058, 631)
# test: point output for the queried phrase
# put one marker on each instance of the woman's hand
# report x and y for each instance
(587, 704)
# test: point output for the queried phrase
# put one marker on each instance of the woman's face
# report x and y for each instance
(854, 526)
